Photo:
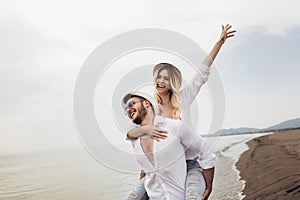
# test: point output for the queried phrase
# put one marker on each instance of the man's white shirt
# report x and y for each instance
(165, 180)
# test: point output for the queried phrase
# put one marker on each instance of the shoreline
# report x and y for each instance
(228, 186)
(227, 183)
(271, 166)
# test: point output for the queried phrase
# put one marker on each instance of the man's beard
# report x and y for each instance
(142, 113)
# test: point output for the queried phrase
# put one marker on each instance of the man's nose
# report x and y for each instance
(128, 110)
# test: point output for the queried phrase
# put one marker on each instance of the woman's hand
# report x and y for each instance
(226, 33)
(155, 132)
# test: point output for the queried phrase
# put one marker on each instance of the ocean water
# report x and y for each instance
(59, 175)
(74, 174)
(232, 145)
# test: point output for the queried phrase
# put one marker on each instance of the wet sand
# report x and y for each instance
(271, 167)
(226, 184)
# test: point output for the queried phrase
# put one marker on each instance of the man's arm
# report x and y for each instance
(208, 177)
(152, 131)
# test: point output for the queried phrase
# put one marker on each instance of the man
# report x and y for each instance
(164, 161)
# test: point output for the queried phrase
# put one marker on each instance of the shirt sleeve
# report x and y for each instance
(129, 129)
(196, 143)
(189, 92)
(133, 142)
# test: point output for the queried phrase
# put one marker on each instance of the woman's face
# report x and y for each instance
(162, 82)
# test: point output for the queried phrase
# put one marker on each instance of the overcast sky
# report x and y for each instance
(44, 44)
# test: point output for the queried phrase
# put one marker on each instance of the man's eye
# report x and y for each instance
(130, 104)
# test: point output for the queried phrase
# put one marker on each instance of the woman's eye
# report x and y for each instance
(167, 78)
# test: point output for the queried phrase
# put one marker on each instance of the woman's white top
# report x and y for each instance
(187, 95)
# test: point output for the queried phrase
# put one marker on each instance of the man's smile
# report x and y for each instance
(132, 113)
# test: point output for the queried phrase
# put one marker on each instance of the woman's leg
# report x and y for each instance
(139, 192)
(195, 184)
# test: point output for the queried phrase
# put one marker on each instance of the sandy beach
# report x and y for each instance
(271, 167)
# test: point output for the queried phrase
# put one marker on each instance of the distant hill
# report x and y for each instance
(293, 123)
(233, 131)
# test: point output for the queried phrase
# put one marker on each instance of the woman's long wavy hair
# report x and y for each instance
(175, 84)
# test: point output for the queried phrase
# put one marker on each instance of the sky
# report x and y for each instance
(45, 43)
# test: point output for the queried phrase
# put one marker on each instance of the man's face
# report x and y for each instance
(136, 110)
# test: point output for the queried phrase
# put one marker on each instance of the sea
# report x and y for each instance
(76, 175)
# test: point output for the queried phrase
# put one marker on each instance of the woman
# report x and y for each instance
(175, 103)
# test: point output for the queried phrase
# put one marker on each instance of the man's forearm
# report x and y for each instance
(209, 176)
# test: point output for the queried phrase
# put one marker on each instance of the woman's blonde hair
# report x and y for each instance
(175, 83)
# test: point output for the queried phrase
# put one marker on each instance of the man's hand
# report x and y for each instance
(226, 33)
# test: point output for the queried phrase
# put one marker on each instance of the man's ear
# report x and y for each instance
(146, 103)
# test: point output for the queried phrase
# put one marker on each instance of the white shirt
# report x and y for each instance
(165, 180)
(186, 96)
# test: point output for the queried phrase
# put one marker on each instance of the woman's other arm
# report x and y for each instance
(226, 33)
